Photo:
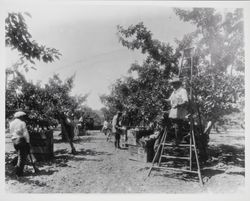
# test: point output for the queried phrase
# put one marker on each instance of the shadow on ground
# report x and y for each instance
(221, 157)
(60, 159)
(91, 152)
(77, 140)
(226, 154)
(10, 175)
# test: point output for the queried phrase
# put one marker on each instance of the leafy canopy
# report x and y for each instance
(218, 43)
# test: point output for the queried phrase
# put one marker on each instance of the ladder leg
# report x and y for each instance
(190, 152)
(156, 154)
(197, 160)
(162, 146)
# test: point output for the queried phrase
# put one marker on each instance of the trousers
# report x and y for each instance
(117, 140)
(22, 148)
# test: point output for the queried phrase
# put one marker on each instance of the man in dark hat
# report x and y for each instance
(178, 112)
(20, 138)
(117, 128)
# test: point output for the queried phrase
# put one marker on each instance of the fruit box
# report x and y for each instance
(139, 153)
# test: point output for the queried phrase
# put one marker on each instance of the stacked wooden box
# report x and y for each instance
(136, 151)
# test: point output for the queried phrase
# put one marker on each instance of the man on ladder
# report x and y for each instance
(178, 118)
(176, 115)
(178, 112)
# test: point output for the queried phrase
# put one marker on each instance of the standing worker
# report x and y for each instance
(76, 126)
(67, 130)
(117, 129)
(105, 127)
(178, 112)
(125, 125)
(21, 139)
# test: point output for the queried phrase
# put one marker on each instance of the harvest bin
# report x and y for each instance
(42, 147)
(139, 153)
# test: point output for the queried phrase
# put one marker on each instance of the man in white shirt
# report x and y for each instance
(105, 127)
(178, 112)
(20, 138)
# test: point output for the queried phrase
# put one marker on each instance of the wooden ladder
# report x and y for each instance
(192, 147)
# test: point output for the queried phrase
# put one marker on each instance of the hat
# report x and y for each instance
(175, 79)
(19, 114)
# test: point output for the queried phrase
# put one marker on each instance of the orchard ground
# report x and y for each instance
(99, 168)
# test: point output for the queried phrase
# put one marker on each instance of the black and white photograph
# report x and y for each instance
(109, 97)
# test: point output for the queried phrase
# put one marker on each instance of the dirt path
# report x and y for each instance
(99, 168)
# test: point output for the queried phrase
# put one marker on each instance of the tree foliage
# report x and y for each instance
(37, 101)
(219, 45)
(92, 118)
(142, 97)
(43, 105)
(18, 37)
(218, 39)
(139, 37)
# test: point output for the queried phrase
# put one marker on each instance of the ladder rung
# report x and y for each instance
(184, 158)
(177, 169)
(180, 145)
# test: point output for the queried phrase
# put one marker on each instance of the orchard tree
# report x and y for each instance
(142, 97)
(91, 117)
(43, 105)
(59, 94)
(219, 47)
(46, 107)
(216, 92)
(18, 90)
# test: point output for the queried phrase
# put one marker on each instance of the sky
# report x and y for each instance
(86, 37)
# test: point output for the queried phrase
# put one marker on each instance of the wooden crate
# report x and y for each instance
(137, 153)
(131, 141)
(42, 145)
(132, 137)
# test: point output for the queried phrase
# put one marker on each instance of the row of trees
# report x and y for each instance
(218, 82)
(218, 62)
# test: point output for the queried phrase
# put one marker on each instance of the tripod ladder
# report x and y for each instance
(192, 147)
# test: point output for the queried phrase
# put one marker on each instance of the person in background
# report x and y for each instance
(125, 125)
(105, 127)
(76, 126)
(117, 128)
(67, 130)
(21, 141)
(82, 125)
(178, 112)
